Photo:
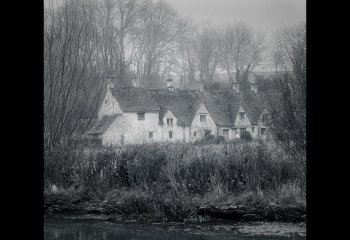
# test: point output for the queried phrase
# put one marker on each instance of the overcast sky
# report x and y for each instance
(265, 15)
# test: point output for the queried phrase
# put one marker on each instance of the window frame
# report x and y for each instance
(170, 122)
(242, 130)
(241, 115)
(139, 118)
(204, 116)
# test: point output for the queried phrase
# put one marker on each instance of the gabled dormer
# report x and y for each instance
(242, 118)
(110, 105)
(169, 119)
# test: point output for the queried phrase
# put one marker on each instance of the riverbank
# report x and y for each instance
(81, 206)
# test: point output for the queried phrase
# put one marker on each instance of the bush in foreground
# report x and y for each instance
(171, 179)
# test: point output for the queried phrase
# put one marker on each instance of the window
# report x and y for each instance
(262, 130)
(241, 116)
(170, 134)
(169, 121)
(207, 132)
(252, 129)
(150, 135)
(203, 118)
(141, 116)
(242, 130)
(106, 101)
(194, 134)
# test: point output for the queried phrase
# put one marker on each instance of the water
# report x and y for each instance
(78, 229)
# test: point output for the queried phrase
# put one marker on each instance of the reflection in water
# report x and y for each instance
(64, 229)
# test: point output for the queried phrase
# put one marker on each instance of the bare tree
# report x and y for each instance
(241, 50)
(72, 83)
(288, 107)
(157, 29)
(207, 51)
(186, 48)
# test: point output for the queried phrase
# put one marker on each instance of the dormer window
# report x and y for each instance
(169, 121)
(141, 116)
(241, 115)
(203, 118)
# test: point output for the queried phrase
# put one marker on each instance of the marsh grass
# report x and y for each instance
(172, 179)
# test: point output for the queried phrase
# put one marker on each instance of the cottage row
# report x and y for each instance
(139, 115)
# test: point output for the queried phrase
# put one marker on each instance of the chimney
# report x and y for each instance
(134, 82)
(200, 84)
(110, 83)
(254, 87)
(235, 87)
(169, 84)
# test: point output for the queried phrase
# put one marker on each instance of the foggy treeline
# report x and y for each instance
(86, 41)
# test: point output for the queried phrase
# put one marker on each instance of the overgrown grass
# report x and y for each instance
(172, 179)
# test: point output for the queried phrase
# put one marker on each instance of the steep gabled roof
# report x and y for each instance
(103, 124)
(182, 103)
(223, 106)
(253, 104)
(133, 99)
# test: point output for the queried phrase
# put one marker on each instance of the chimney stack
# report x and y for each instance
(134, 82)
(254, 87)
(200, 84)
(235, 87)
(169, 84)
(110, 83)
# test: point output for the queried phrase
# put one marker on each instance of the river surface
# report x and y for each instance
(94, 229)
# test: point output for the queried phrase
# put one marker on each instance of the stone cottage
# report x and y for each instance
(138, 115)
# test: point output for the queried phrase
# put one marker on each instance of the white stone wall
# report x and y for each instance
(109, 105)
(178, 131)
(187, 133)
(136, 131)
(114, 134)
(200, 127)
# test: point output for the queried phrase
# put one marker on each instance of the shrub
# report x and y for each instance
(220, 139)
(165, 178)
(246, 136)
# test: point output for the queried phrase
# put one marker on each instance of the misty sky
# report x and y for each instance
(265, 15)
